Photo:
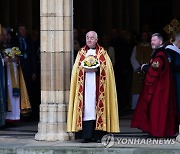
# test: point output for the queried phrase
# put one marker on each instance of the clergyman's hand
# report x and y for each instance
(6, 59)
(90, 70)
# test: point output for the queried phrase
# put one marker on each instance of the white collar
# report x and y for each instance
(173, 47)
(91, 52)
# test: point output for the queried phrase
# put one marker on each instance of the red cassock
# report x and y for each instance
(156, 108)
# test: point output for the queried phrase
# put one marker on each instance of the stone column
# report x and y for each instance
(56, 38)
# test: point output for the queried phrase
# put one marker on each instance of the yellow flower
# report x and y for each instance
(16, 51)
(90, 61)
(12, 52)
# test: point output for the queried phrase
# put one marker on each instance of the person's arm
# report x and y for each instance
(2, 61)
(145, 67)
(5, 60)
(172, 57)
(111, 53)
(153, 74)
(134, 61)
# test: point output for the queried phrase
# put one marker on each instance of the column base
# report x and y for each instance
(52, 132)
(52, 137)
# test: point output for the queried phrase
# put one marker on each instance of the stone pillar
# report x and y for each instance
(56, 46)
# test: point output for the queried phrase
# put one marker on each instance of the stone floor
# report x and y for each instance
(19, 139)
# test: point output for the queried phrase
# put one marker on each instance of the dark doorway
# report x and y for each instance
(27, 13)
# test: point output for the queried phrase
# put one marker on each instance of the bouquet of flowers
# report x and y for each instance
(90, 62)
(12, 52)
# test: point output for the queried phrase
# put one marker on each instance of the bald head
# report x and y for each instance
(92, 33)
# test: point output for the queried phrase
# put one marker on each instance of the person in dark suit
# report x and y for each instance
(173, 51)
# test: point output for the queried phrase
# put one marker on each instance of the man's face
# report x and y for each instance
(22, 31)
(5, 36)
(144, 36)
(178, 44)
(91, 40)
(155, 42)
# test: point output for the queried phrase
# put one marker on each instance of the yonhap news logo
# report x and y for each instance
(109, 140)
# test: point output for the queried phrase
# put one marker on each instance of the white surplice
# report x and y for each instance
(90, 92)
(14, 101)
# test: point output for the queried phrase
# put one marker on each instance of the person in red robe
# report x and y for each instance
(156, 108)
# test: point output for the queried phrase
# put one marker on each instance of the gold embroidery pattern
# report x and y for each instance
(80, 90)
(101, 98)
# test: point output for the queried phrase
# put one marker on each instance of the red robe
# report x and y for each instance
(156, 108)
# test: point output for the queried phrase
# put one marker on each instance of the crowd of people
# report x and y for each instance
(19, 76)
(119, 45)
(111, 73)
(146, 76)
